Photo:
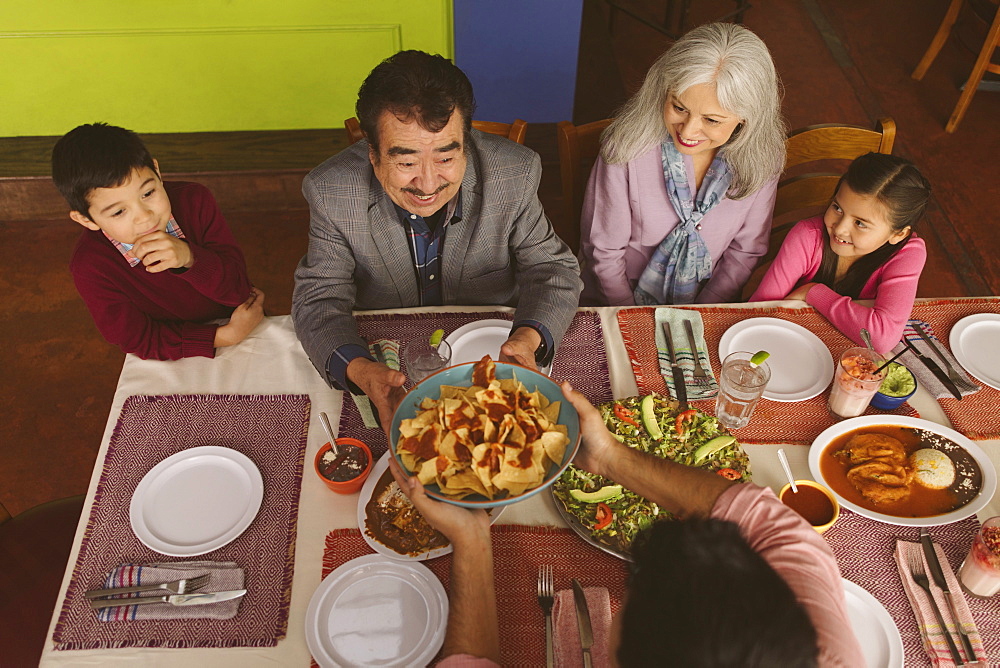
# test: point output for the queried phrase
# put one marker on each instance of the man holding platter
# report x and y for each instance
(427, 211)
(740, 579)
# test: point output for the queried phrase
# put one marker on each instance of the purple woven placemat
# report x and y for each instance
(271, 431)
(580, 358)
(864, 550)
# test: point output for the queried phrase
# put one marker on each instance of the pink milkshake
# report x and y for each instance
(980, 572)
(855, 382)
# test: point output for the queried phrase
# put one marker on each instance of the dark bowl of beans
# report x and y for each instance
(345, 472)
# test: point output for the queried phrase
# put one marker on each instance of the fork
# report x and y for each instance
(916, 563)
(546, 597)
(699, 372)
(184, 586)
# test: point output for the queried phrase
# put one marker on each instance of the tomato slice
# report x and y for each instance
(682, 418)
(625, 415)
(604, 516)
(730, 474)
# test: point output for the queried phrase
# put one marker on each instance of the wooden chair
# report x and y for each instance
(579, 146)
(513, 131)
(983, 64)
(808, 193)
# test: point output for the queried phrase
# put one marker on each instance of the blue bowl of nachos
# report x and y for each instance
(485, 434)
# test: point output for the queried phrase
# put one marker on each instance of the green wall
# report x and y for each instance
(200, 65)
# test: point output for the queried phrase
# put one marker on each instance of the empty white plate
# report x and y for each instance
(873, 627)
(473, 340)
(973, 340)
(801, 364)
(196, 501)
(377, 611)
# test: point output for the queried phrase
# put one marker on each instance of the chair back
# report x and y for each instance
(579, 146)
(807, 192)
(513, 131)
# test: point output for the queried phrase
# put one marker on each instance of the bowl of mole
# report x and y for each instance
(898, 386)
(346, 471)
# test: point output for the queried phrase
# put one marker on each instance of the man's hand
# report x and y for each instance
(382, 385)
(521, 346)
(598, 446)
(160, 251)
(461, 526)
(243, 321)
(800, 292)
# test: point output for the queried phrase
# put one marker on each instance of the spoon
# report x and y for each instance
(788, 470)
(325, 421)
(867, 338)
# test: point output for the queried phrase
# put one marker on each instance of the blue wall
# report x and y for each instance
(520, 56)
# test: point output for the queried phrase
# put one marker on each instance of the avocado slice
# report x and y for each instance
(605, 493)
(712, 447)
(647, 411)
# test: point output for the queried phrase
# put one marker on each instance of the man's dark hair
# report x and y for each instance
(418, 86)
(96, 155)
(700, 596)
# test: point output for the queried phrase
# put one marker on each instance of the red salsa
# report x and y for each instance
(811, 503)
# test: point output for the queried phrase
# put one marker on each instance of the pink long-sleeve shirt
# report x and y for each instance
(627, 213)
(893, 286)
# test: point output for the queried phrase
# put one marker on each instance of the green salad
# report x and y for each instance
(611, 515)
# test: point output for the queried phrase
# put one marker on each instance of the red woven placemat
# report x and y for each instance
(518, 551)
(271, 431)
(580, 358)
(864, 550)
(773, 422)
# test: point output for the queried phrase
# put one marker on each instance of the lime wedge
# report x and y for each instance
(436, 337)
(759, 357)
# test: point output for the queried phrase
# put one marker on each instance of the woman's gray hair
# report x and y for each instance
(738, 63)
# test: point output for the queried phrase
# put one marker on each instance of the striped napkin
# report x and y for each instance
(223, 576)
(385, 351)
(924, 375)
(930, 631)
(697, 388)
(566, 647)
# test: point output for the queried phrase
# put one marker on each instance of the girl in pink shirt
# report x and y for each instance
(863, 247)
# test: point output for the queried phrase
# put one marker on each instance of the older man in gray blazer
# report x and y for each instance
(427, 211)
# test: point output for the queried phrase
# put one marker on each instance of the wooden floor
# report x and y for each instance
(841, 61)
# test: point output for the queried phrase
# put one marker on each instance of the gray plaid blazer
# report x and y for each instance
(503, 251)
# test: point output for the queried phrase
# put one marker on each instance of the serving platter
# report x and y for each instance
(974, 505)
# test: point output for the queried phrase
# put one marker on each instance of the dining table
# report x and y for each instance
(264, 396)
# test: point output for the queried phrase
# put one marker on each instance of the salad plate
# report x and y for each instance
(973, 340)
(801, 364)
(473, 340)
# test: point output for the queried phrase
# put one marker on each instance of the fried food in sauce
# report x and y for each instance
(879, 467)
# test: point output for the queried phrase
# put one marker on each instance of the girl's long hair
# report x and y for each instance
(738, 63)
(902, 192)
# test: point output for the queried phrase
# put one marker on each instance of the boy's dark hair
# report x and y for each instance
(414, 85)
(902, 192)
(95, 155)
(700, 596)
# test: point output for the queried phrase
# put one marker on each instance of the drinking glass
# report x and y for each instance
(855, 384)
(422, 359)
(980, 572)
(740, 387)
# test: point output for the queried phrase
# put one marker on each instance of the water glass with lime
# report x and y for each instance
(742, 382)
(426, 355)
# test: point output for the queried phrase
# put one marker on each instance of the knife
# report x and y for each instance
(938, 575)
(935, 346)
(935, 369)
(680, 389)
(173, 599)
(583, 621)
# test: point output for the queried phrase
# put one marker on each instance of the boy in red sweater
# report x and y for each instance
(157, 263)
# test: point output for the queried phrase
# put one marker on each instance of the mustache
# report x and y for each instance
(420, 193)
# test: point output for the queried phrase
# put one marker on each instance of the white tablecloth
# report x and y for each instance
(271, 361)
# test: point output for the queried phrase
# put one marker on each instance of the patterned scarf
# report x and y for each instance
(681, 264)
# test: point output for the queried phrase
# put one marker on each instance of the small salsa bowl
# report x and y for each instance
(820, 508)
(348, 486)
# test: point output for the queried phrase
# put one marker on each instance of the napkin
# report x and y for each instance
(224, 576)
(930, 631)
(566, 634)
(697, 388)
(388, 352)
(924, 375)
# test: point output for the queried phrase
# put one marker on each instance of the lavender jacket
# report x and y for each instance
(626, 214)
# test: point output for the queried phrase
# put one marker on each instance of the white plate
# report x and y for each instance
(375, 611)
(801, 364)
(971, 508)
(168, 511)
(473, 340)
(365, 496)
(873, 627)
(973, 340)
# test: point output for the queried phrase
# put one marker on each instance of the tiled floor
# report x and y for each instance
(844, 61)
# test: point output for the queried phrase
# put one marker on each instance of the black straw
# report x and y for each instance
(893, 359)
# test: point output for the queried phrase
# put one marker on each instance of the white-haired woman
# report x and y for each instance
(678, 207)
